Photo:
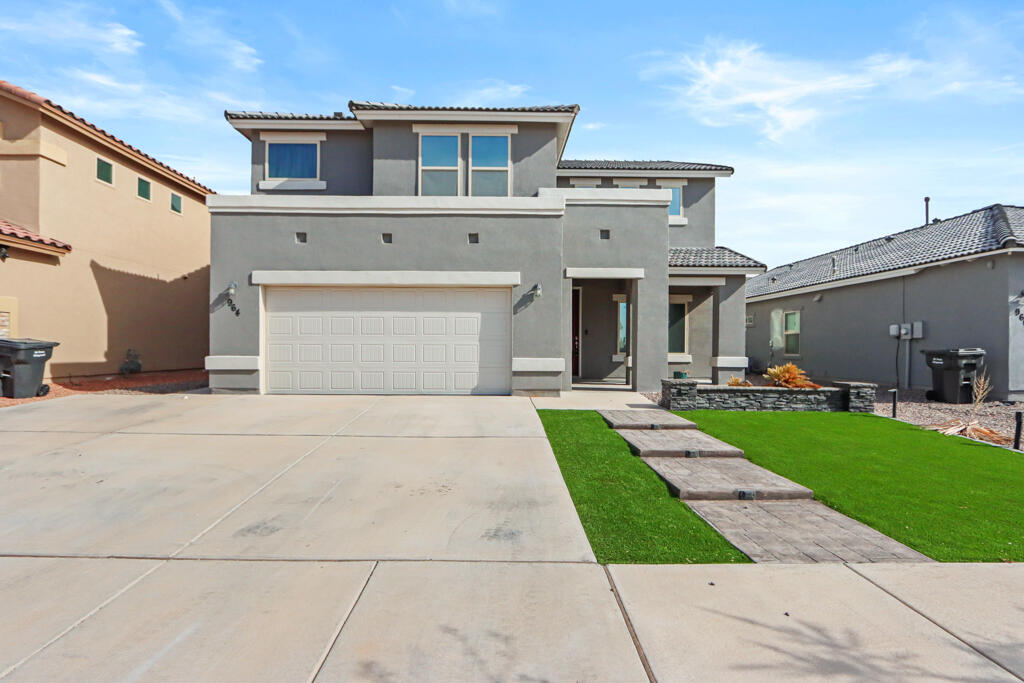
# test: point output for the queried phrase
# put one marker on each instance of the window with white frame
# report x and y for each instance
(622, 336)
(675, 186)
(677, 325)
(490, 161)
(293, 160)
(791, 333)
(439, 165)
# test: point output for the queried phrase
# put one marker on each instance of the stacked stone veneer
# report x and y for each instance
(688, 394)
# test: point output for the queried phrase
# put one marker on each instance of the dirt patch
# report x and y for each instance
(142, 383)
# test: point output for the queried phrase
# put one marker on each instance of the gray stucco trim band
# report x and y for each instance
(387, 278)
(232, 362)
(605, 273)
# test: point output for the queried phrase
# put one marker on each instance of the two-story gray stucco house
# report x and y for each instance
(866, 312)
(402, 249)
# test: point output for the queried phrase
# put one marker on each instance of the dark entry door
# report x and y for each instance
(575, 332)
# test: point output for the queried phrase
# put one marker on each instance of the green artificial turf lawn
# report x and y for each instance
(952, 499)
(626, 509)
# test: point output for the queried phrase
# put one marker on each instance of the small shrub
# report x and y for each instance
(735, 381)
(789, 376)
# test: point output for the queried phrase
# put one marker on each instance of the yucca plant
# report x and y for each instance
(981, 388)
(789, 376)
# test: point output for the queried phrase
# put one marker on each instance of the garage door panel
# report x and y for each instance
(388, 340)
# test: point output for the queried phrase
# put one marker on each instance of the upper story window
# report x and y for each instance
(175, 203)
(791, 333)
(675, 206)
(293, 160)
(144, 189)
(104, 171)
(439, 165)
(490, 166)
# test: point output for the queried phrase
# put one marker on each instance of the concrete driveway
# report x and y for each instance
(407, 538)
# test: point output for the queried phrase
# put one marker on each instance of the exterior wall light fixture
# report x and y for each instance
(537, 291)
(230, 291)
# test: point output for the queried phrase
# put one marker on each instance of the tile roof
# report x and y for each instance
(277, 115)
(12, 230)
(42, 101)
(356, 105)
(709, 257)
(992, 227)
(618, 165)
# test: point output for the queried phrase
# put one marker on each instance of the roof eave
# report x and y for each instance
(633, 173)
(29, 245)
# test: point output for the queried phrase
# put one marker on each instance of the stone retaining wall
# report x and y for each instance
(688, 394)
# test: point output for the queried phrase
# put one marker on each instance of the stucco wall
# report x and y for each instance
(1015, 303)
(844, 335)
(137, 276)
(700, 319)
(527, 244)
(19, 173)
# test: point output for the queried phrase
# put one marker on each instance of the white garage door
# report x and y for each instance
(383, 340)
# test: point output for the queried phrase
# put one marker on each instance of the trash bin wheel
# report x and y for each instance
(44, 389)
(931, 395)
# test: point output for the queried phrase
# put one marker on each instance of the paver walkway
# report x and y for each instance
(765, 515)
(645, 419)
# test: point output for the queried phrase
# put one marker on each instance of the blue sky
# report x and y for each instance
(838, 117)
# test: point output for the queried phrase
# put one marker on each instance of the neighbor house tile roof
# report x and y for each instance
(43, 102)
(618, 165)
(993, 227)
(356, 105)
(709, 257)
(9, 229)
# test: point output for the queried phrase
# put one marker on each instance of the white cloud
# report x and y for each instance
(491, 93)
(200, 29)
(596, 125)
(68, 26)
(739, 83)
(402, 93)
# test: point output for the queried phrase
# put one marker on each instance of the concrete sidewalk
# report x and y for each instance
(408, 539)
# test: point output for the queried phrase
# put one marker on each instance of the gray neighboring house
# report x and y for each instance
(951, 283)
(431, 250)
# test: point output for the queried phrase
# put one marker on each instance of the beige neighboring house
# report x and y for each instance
(102, 247)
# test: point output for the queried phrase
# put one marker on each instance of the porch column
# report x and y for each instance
(648, 303)
(728, 341)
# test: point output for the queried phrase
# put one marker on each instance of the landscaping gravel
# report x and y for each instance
(914, 408)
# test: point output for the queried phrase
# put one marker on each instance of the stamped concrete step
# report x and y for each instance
(724, 479)
(799, 531)
(677, 443)
(647, 418)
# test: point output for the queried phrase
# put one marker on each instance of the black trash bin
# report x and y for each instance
(953, 373)
(21, 367)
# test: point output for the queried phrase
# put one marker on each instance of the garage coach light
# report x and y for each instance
(232, 288)
(537, 291)
(230, 291)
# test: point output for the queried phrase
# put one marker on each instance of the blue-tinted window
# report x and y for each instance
(490, 183)
(490, 150)
(677, 328)
(440, 150)
(675, 207)
(291, 160)
(175, 203)
(439, 183)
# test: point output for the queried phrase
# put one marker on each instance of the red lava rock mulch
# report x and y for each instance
(143, 382)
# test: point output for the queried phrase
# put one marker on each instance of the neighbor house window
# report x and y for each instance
(287, 160)
(175, 203)
(489, 165)
(145, 189)
(104, 171)
(439, 165)
(676, 327)
(622, 338)
(791, 333)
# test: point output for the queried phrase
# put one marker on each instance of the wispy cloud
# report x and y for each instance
(473, 7)
(72, 26)
(731, 83)
(491, 93)
(402, 95)
(596, 125)
(201, 29)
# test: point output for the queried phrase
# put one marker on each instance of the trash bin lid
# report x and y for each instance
(22, 344)
(963, 351)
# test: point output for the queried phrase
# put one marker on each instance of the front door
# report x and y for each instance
(576, 293)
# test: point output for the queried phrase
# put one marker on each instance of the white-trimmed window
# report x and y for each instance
(678, 325)
(176, 203)
(292, 160)
(490, 165)
(440, 165)
(675, 207)
(144, 190)
(104, 171)
(791, 333)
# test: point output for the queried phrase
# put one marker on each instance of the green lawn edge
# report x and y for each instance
(627, 512)
(953, 499)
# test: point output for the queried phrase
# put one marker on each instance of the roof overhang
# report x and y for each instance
(715, 270)
(29, 245)
(249, 127)
(885, 275)
(623, 173)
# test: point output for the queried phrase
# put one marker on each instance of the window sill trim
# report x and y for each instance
(677, 220)
(680, 358)
(292, 184)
